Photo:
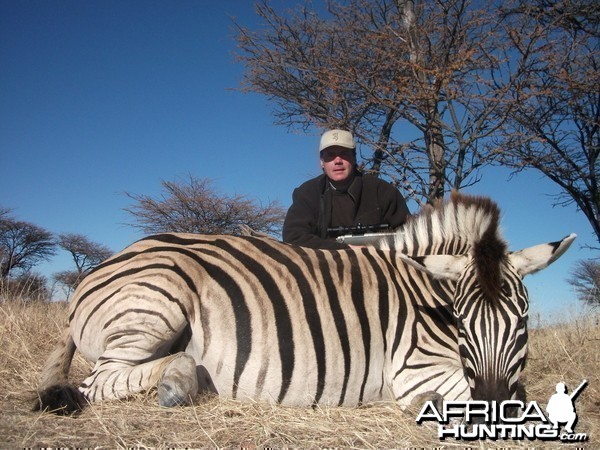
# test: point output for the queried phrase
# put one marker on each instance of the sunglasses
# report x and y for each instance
(329, 155)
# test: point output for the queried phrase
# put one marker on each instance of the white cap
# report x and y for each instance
(340, 138)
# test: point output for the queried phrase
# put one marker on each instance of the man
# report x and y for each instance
(340, 197)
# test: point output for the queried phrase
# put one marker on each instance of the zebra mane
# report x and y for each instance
(461, 225)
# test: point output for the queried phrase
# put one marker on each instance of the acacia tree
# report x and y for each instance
(22, 246)
(86, 255)
(585, 279)
(412, 79)
(197, 207)
(554, 106)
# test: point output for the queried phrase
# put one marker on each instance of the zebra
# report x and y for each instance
(438, 309)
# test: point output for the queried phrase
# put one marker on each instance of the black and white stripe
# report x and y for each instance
(255, 318)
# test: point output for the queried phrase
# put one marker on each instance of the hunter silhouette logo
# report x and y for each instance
(560, 407)
(510, 419)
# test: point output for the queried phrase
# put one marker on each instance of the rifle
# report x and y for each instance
(576, 392)
(361, 234)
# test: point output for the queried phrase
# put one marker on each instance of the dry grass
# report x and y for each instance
(29, 331)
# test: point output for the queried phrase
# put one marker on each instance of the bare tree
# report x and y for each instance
(554, 107)
(4, 212)
(585, 279)
(4, 215)
(414, 80)
(86, 255)
(196, 207)
(67, 281)
(22, 246)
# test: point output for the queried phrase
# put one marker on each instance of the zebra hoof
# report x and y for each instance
(179, 383)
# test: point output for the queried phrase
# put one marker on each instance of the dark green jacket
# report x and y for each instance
(309, 217)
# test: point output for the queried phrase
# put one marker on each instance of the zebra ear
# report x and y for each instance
(538, 257)
(438, 266)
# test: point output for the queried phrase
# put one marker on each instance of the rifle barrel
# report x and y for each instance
(579, 388)
(357, 229)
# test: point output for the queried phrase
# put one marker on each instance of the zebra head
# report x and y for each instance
(489, 299)
(490, 307)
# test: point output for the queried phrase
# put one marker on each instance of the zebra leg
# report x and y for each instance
(113, 378)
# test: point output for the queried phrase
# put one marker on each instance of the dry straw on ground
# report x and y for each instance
(28, 332)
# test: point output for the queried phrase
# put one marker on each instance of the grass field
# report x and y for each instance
(28, 332)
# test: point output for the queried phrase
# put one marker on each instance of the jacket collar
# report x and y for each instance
(354, 190)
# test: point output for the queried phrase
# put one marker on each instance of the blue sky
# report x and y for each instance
(98, 98)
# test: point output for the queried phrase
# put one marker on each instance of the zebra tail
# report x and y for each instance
(55, 394)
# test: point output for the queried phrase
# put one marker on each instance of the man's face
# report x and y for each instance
(338, 163)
